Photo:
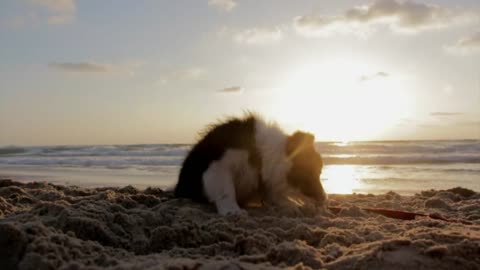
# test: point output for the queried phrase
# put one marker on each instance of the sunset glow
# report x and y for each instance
(344, 70)
(337, 102)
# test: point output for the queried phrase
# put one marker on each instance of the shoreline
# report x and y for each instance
(337, 179)
(69, 227)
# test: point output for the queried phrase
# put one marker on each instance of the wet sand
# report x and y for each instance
(45, 226)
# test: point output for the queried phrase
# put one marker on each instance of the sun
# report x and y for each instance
(339, 100)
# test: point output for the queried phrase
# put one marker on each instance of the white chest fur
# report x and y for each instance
(232, 179)
(270, 141)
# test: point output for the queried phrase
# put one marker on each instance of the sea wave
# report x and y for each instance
(11, 150)
(402, 159)
(98, 150)
(401, 147)
(111, 163)
(358, 153)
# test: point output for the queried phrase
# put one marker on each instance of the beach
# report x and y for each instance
(47, 226)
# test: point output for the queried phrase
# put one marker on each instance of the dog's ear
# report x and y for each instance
(298, 141)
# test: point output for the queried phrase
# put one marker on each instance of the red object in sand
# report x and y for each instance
(400, 214)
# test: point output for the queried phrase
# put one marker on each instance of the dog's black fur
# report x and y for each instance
(235, 133)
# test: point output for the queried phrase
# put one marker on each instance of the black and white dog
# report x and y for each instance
(244, 158)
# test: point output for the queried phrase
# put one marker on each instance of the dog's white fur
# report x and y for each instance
(232, 178)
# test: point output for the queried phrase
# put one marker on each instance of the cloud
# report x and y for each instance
(231, 90)
(224, 5)
(60, 11)
(258, 36)
(91, 67)
(322, 26)
(442, 114)
(39, 11)
(399, 16)
(377, 75)
(466, 45)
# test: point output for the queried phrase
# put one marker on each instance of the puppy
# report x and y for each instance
(245, 158)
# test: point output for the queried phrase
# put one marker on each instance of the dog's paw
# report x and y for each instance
(290, 210)
(238, 213)
(234, 212)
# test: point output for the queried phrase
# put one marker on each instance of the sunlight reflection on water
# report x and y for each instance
(341, 179)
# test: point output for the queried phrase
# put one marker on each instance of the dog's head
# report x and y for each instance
(306, 166)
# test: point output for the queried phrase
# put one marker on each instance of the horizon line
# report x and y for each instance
(326, 141)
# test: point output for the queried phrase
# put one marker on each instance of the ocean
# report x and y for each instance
(405, 167)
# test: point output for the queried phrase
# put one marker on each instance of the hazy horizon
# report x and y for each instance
(140, 72)
(193, 142)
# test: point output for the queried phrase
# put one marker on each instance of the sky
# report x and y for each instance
(125, 72)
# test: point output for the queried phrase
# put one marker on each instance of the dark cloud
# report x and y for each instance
(233, 89)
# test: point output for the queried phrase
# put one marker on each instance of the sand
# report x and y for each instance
(46, 226)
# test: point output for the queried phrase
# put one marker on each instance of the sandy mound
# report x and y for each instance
(45, 226)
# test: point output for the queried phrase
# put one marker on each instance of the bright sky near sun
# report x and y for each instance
(121, 72)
